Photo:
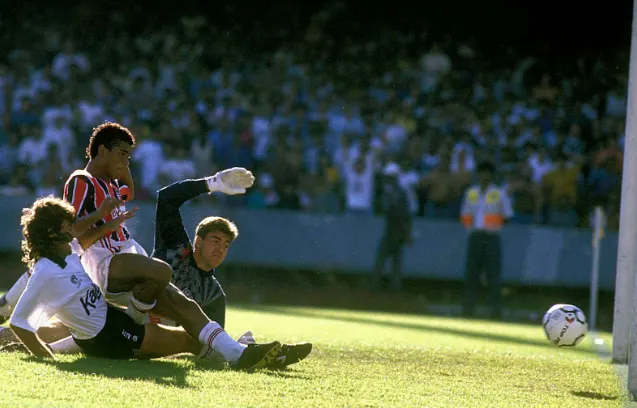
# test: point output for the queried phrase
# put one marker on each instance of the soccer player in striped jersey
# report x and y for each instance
(59, 286)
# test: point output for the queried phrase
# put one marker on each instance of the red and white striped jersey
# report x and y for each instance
(87, 193)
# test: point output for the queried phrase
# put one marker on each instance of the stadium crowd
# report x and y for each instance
(316, 118)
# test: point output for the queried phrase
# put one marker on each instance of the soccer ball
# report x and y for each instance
(565, 325)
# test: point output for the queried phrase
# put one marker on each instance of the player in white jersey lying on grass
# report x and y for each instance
(194, 264)
(59, 286)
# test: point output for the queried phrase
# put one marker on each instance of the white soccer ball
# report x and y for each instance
(565, 325)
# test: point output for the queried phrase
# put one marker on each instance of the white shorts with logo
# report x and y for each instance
(97, 260)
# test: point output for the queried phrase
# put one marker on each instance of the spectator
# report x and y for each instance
(524, 197)
(359, 181)
(264, 196)
(177, 166)
(19, 183)
(52, 181)
(8, 157)
(604, 182)
(24, 114)
(397, 231)
(559, 192)
(409, 179)
(32, 151)
(439, 190)
(539, 162)
(68, 58)
(434, 65)
(61, 135)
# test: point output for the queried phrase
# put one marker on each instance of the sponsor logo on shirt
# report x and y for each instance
(89, 301)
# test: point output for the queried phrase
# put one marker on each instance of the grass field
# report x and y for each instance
(359, 360)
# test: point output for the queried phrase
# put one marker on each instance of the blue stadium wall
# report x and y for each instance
(278, 239)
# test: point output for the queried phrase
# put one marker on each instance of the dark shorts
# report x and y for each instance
(119, 338)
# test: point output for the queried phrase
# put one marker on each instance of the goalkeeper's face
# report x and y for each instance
(213, 248)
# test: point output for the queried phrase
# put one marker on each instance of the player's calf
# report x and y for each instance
(165, 341)
(174, 305)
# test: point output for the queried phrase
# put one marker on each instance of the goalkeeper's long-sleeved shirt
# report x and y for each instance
(173, 245)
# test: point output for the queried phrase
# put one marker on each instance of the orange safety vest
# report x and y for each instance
(485, 210)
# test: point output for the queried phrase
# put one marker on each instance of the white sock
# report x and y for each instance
(209, 354)
(65, 346)
(13, 295)
(214, 336)
(138, 310)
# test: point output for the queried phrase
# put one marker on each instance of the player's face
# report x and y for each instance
(64, 237)
(118, 159)
(67, 229)
(214, 248)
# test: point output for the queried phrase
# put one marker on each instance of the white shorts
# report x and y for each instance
(96, 261)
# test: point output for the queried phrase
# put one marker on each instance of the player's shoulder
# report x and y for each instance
(45, 267)
(181, 250)
(81, 174)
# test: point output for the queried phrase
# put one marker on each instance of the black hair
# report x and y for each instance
(108, 135)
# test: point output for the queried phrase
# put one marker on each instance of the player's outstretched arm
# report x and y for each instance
(35, 307)
(32, 342)
(231, 181)
(169, 228)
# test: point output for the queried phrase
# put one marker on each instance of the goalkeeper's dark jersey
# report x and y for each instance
(173, 245)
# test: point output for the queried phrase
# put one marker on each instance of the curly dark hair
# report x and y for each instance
(108, 134)
(40, 224)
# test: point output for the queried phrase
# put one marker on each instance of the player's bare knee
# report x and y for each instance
(162, 273)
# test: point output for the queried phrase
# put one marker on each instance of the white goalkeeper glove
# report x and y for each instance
(231, 181)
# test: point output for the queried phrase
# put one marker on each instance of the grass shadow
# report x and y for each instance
(285, 373)
(411, 326)
(156, 371)
(594, 395)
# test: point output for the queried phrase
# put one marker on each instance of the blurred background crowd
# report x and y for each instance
(316, 110)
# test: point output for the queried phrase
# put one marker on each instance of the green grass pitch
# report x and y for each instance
(359, 360)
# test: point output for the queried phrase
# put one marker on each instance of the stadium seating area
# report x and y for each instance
(308, 110)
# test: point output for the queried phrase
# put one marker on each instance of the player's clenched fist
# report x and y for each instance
(231, 181)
